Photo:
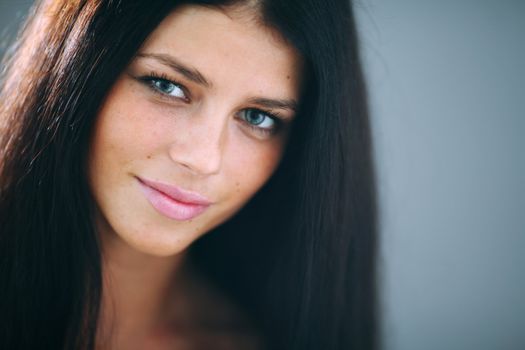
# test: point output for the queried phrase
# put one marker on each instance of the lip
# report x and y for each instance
(172, 201)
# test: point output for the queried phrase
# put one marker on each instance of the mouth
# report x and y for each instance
(172, 201)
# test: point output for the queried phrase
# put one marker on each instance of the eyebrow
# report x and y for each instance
(195, 76)
(275, 104)
(170, 61)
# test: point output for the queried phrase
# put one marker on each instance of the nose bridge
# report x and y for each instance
(201, 149)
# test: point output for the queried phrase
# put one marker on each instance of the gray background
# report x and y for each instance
(447, 89)
(447, 86)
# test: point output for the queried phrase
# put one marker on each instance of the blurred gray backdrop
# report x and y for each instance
(447, 86)
(447, 93)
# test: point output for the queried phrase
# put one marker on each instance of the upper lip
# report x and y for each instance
(177, 193)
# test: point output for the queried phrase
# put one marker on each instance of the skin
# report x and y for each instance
(201, 135)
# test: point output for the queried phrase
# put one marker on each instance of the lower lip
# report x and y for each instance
(170, 207)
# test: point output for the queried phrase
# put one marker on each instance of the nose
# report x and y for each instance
(198, 147)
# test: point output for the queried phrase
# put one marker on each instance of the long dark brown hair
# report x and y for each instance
(300, 257)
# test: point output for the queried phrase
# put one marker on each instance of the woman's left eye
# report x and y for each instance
(259, 119)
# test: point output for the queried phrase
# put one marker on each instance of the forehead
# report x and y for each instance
(227, 44)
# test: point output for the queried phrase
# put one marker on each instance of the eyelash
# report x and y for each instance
(278, 122)
(153, 77)
(150, 79)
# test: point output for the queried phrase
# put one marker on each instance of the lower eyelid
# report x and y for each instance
(262, 131)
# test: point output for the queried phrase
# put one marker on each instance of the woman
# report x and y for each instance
(186, 174)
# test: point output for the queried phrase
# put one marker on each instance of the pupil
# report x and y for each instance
(255, 117)
(164, 85)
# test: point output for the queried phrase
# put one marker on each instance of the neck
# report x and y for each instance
(136, 289)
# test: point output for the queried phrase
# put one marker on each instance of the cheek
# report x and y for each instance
(126, 131)
(251, 167)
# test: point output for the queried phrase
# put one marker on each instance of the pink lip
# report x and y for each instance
(172, 201)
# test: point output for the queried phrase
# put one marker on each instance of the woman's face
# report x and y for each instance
(192, 129)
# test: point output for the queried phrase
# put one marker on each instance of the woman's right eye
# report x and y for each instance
(165, 87)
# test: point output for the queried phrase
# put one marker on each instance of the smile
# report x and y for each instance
(173, 202)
